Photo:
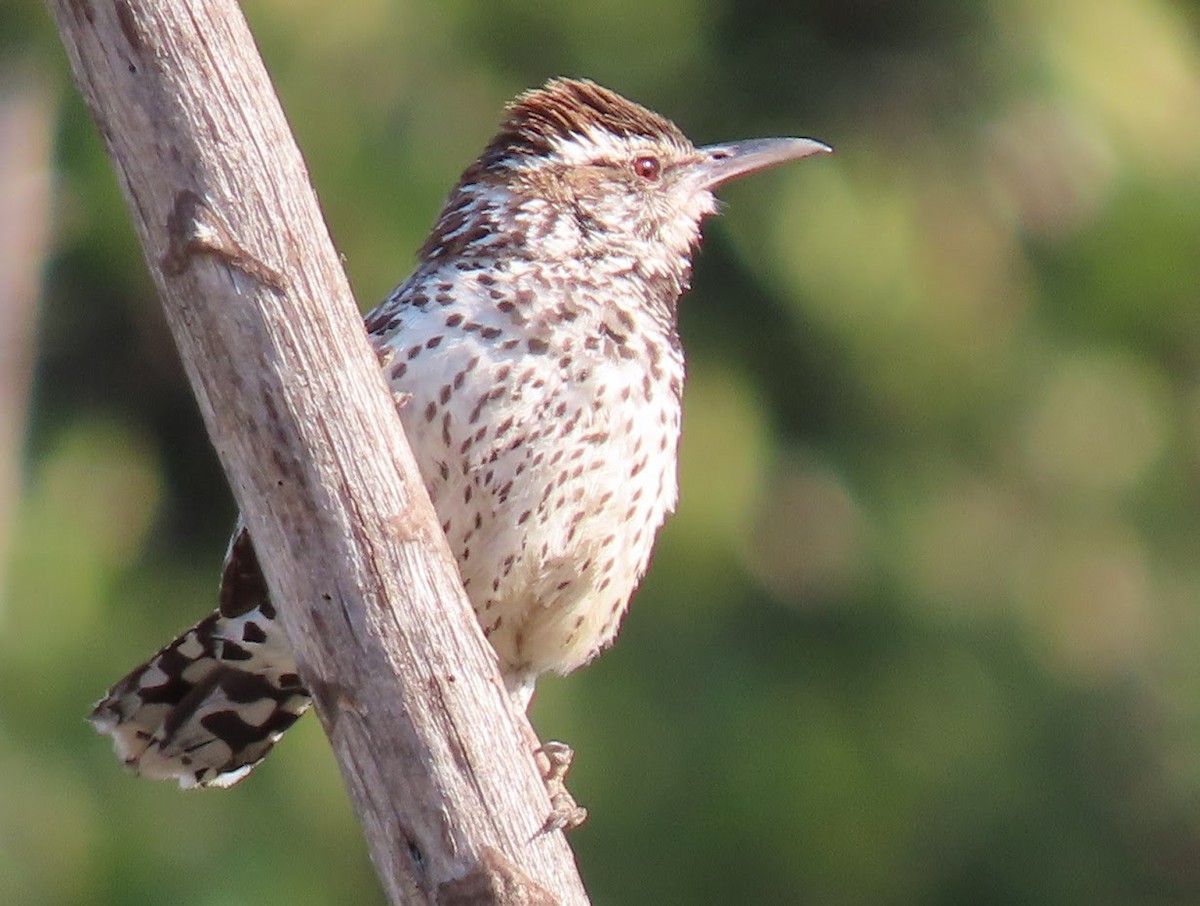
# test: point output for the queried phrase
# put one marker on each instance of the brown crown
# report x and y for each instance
(563, 108)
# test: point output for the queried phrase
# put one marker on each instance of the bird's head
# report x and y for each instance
(576, 170)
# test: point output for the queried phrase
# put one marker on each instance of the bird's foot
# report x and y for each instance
(554, 760)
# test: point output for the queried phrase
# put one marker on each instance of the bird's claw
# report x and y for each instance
(553, 761)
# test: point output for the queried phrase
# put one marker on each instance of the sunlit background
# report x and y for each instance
(926, 627)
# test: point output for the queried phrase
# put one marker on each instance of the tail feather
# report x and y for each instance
(210, 705)
(192, 714)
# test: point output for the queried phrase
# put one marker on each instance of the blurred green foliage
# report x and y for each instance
(925, 627)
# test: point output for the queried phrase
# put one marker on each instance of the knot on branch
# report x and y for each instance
(494, 881)
(194, 227)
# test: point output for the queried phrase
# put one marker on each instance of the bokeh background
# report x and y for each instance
(925, 629)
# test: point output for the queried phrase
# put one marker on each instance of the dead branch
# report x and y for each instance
(405, 684)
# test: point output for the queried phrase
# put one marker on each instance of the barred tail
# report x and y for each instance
(208, 707)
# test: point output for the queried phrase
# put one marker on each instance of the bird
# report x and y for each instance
(535, 362)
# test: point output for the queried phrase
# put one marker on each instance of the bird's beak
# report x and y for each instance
(720, 163)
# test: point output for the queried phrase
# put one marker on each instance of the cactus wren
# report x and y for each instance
(538, 373)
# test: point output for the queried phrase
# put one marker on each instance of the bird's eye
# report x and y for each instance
(647, 167)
